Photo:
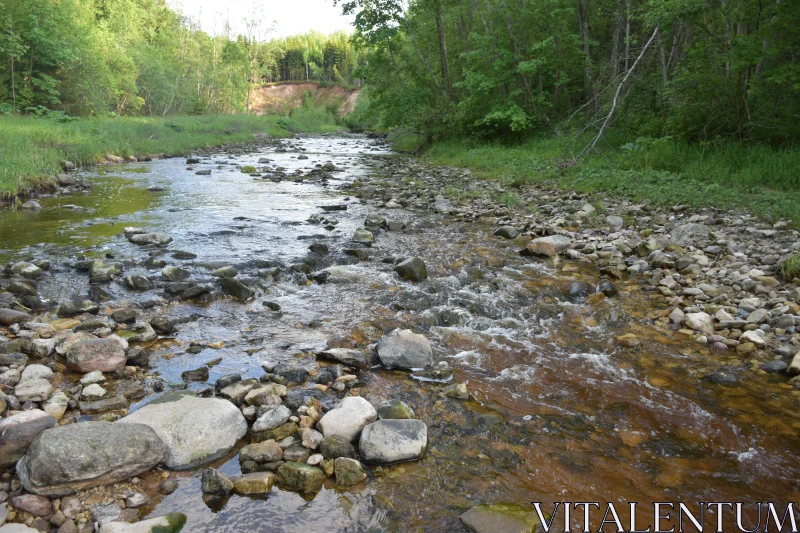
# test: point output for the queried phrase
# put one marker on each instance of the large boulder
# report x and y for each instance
(500, 518)
(405, 350)
(155, 239)
(10, 317)
(65, 459)
(412, 269)
(690, 234)
(393, 441)
(170, 523)
(105, 355)
(348, 419)
(195, 430)
(547, 246)
(18, 431)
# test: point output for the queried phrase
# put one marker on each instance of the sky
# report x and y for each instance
(292, 16)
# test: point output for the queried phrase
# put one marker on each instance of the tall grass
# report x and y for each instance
(761, 179)
(31, 148)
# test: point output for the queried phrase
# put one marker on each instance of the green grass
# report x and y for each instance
(790, 268)
(763, 180)
(32, 148)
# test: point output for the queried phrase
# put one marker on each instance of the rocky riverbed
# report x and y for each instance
(319, 335)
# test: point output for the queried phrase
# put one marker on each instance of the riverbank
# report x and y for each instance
(35, 150)
(761, 180)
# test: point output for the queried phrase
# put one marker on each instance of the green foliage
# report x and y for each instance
(730, 175)
(33, 148)
(790, 268)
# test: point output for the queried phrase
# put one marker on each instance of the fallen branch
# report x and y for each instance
(607, 121)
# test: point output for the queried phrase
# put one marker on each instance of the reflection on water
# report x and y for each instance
(560, 411)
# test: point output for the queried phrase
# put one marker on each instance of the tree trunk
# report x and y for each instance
(588, 76)
(443, 48)
(627, 33)
(615, 41)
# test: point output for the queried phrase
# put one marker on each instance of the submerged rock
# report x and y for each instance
(214, 482)
(195, 430)
(500, 518)
(65, 459)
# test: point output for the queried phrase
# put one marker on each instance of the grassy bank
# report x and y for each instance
(760, 179)
(32, 149)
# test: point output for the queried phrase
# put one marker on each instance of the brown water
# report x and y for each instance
(560, 411)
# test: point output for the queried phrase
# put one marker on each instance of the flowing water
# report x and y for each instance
(559, 410)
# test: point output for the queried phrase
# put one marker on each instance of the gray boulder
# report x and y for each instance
(18, 431)
(195, 430)
(690, 234)
(348, 357)
(393, 441)
(169, 523)
(65, 459)
(412, 269)
(348, 419)
(10, 317)
(105, 355)
(276, 415)
(155, 239)
(406, 350)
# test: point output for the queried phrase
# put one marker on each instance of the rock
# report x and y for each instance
(274, 417)
(363, 236)
(279, 433)
(9, 317)
(56, 405)
(93, 392)
(579, 289)
(18, 431)
(395, 410)
(253, 483)
(76, 307)
(690, 234)
(136, 282)
(213, 482)
(138, 356)
(33, 390)
(794, 366)
(173, 273)
(225, 272)
(117, 403)
(755, 336)
(615, 223)
(702, 322)
(775, 367)
(237, 391)
(27, 270)
(18, 528)
(507, 232)
(547, 246)
(405, 350)
(457, 391)
(10, 377)
(155, 239)
(200, 374)
(629, 339)
(300, 477)
(137, 500)
(195, 430)
(124, 316)
(36, 372)
(265, 395)
(168, 486)
(31, 205)
(236, 288)
(268, 451)
(69, 458)
(393, 441)
(105, 355)
(348, 357)
(348, 419)
(723, 378)
(412, 269)
(348, 471)
(607, 288)
(312, 438)
(139, 332)
(93, 377)
(33, 504)
(292, 372)
(169, 523)
(500, 518)
(336, 446)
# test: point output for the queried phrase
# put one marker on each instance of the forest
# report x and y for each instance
(139, 57)
(699, 70)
